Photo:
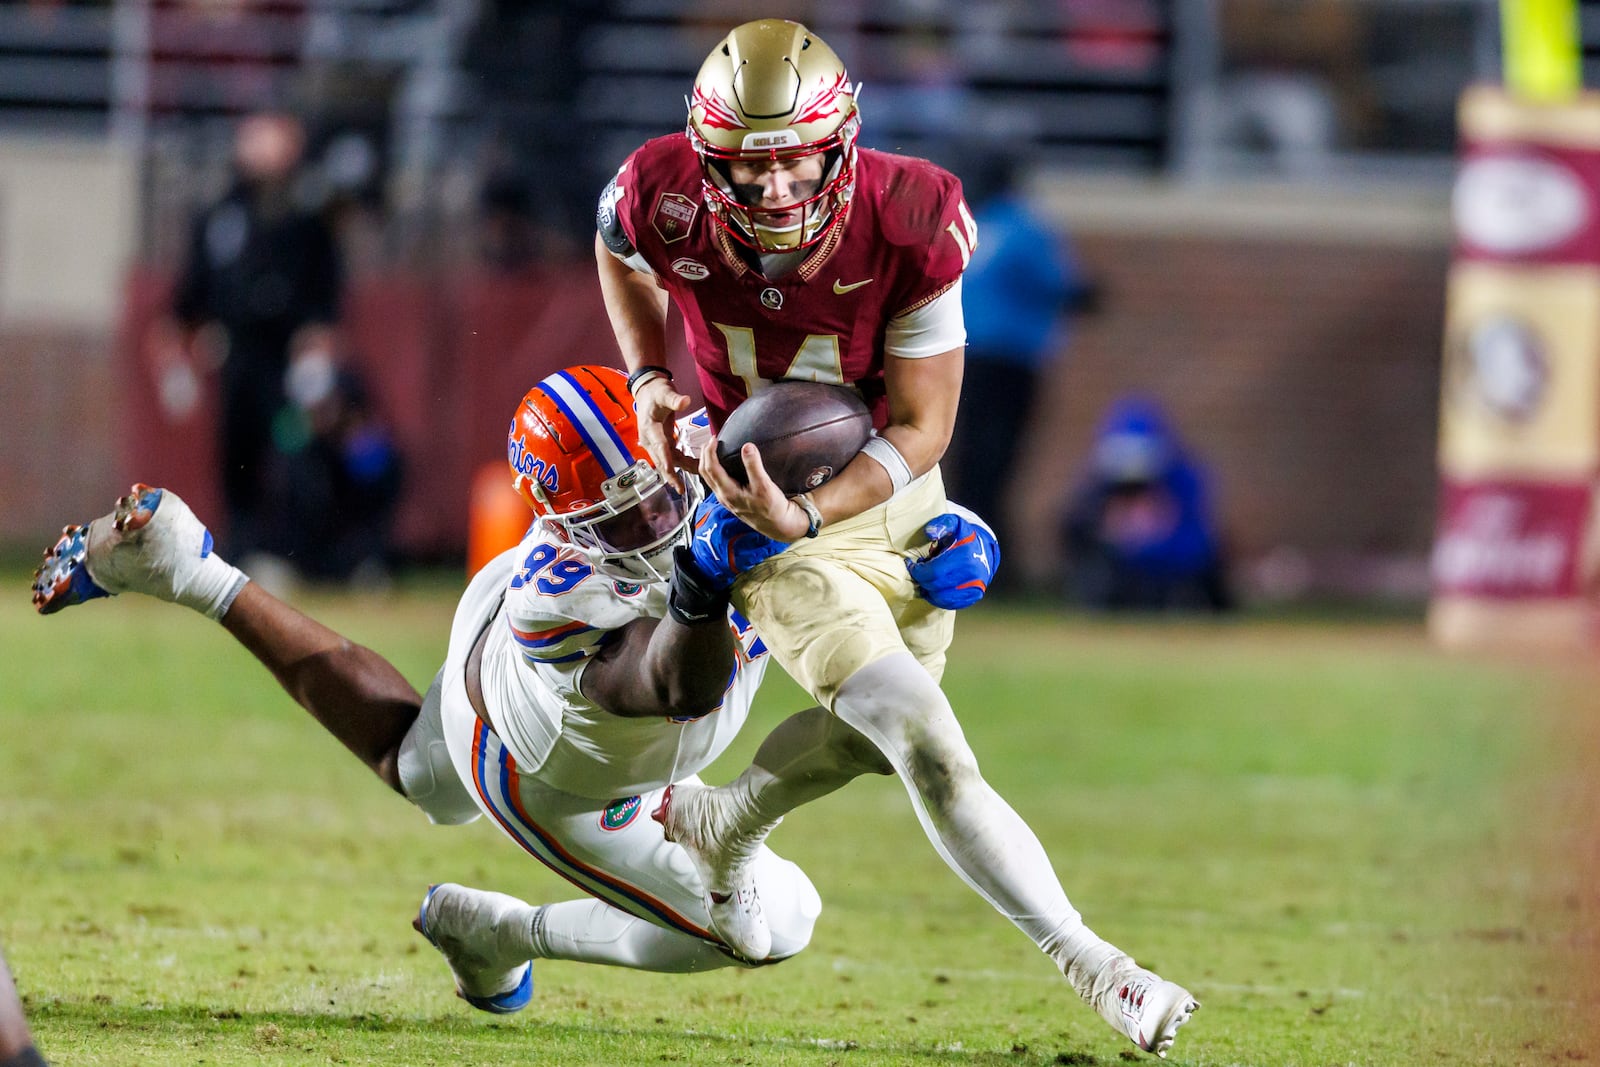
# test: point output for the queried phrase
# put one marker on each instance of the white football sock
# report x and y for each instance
(897, 704)
(808, 755)
(592, 931)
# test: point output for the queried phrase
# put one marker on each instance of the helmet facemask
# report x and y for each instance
(631, 532)
(737, 209)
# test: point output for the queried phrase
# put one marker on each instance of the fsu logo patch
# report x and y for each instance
(673, 216)
(619, 813)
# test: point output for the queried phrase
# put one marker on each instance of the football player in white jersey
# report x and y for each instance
(589, 669)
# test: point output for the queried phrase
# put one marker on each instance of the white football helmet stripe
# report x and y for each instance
(597, 431)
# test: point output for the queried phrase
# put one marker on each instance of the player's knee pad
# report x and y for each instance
(898, 706)
(791, 904)
(427, 775)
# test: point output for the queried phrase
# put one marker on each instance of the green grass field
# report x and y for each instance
(1354, 849)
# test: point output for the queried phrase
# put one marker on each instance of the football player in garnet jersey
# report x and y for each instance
(589, 668)
(792, 253)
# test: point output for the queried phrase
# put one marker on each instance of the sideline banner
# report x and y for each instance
(1519, 420)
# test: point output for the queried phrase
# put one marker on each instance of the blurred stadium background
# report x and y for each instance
(1261, 186)
(1362, 849)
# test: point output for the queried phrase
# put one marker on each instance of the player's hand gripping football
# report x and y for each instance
(760, 504)
(658, 406)
(724, 547)
(957, 568)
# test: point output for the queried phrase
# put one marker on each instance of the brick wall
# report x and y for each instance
(1293, 333)
(1304, 374)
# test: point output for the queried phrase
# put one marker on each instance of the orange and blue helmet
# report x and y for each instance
(576, 460)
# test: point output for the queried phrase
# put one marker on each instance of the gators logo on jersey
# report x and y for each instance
(619, 813)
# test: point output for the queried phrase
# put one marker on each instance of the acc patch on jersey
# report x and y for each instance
(619, 813)
(673, 216)
(691, 269)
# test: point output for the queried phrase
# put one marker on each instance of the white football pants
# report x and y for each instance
(649, 912)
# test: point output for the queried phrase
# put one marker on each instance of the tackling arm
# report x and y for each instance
(677, 666)
(662, 668)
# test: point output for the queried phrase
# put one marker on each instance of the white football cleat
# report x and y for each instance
(691, 818)
(1141, 1004)
(466, 926)
(151, 543)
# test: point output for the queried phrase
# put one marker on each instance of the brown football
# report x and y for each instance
(806, 431)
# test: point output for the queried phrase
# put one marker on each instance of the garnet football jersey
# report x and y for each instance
(905, 242)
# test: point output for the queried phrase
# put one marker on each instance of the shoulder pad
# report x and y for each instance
(608, 220)
(923, 202)
(561, 610)
(556, 605)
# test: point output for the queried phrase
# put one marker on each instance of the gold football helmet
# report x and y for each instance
(773, 90)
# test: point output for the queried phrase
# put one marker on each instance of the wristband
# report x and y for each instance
(882, 451)
(691, 598)
(28, 1057)
(809, 506)
(645, 374)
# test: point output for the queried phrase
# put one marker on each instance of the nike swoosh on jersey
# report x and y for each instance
(840, 288)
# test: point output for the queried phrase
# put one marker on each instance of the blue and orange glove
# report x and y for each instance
(955, 571)
(724, 547)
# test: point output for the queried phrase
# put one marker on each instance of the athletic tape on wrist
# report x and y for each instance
(220, 608)
(882, 451)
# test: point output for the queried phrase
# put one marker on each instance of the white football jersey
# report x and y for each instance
(558, 612)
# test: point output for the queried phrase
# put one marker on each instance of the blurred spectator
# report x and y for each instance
(506, 230)
(1138, 532)
(920, 97)
(338, 475)
(268, 273)
(16, 1043)
(1018, 293)
(1294, 87)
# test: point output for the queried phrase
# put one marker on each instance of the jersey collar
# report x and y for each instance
(732, 253)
